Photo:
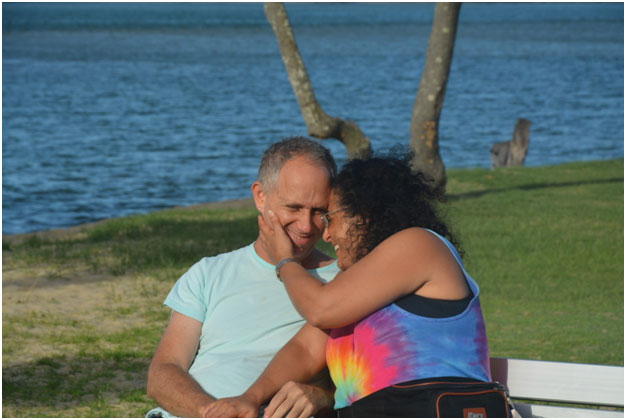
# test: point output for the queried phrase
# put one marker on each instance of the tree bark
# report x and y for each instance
(431, 93)
(512, 152)
(319, 124)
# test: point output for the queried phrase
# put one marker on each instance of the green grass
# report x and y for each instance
(83, 313)
(546, 245)
(171, 239)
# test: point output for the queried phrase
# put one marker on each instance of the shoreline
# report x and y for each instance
(59, 233)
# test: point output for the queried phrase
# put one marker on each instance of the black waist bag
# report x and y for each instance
(462, 399)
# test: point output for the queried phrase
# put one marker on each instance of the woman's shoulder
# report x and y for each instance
(408, 241)
(412, 234)
(416, 243)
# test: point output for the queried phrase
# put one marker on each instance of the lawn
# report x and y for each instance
(82, 308)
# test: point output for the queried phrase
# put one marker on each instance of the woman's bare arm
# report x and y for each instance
(303, 357)
(410, 260)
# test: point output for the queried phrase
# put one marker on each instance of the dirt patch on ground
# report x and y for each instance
(76, 292)
(74, 345)
(62, 306)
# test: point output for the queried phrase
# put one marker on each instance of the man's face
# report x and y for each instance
(300, 197)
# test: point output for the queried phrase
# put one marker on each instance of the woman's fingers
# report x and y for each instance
(263, 225)
(273, 219)
(292, 400)
(273, 237)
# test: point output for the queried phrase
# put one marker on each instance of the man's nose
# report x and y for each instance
(306, 221)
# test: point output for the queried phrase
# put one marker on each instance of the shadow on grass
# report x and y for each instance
(51, 280)
(95, 384)
(530, 187)
(141, 244)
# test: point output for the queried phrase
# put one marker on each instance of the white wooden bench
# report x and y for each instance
(557, 382)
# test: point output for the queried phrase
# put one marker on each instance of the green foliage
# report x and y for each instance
(83, 313)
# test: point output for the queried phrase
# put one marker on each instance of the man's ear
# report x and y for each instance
(259, 195)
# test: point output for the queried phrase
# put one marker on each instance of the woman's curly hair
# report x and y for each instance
(387, 197)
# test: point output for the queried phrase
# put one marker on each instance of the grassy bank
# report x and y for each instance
(82, 309)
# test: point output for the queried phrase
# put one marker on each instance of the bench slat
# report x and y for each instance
(532, 410)
(562, 382)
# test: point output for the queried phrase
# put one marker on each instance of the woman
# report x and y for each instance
(402, 312)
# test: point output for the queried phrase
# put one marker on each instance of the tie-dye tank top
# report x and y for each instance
(393, 345)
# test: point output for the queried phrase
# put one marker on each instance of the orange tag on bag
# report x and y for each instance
(478, 412)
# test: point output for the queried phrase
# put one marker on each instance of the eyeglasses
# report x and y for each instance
(326, 217)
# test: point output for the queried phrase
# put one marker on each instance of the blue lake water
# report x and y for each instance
(110, 109)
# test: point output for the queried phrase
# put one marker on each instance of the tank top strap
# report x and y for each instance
(473, 285)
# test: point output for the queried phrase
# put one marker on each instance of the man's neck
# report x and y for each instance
(315, 259)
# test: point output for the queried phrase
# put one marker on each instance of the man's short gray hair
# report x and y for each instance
(279, 153)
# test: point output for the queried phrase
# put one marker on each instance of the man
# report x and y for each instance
(231, 313)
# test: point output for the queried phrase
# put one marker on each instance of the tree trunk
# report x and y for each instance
(319, 124)
(431, 93)
(512, 152)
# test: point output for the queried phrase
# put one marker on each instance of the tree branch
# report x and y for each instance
(319, 124)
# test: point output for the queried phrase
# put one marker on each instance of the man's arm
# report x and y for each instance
(169, 382)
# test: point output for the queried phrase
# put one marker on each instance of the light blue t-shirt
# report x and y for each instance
(246, 317)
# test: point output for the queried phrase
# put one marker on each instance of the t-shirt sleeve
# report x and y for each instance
(188, 296)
